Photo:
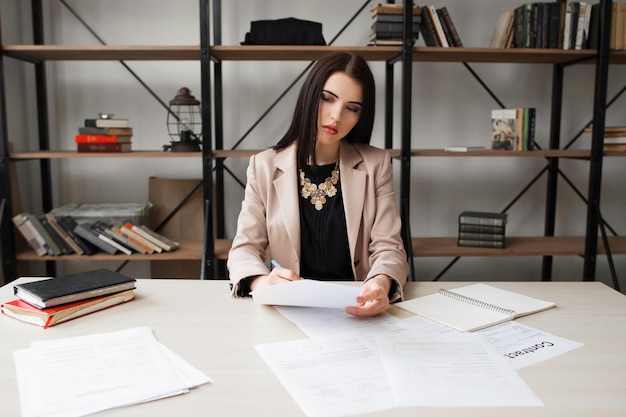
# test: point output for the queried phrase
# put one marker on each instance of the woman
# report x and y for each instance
(322, 200)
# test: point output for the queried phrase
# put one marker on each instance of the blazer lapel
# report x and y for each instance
(284, 185)
(353, 184)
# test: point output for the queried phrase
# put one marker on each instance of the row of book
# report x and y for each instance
(557, 25)
(104, 135)
(387, 24)
(49, 235)
(438, 29)
(513, 129)
(482, 229)
(614, 138)
(55, 300)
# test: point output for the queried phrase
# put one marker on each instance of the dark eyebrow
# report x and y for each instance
(336, 96)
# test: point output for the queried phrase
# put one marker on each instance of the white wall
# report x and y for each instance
(449, 108)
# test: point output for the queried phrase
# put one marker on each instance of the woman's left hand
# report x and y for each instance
(373, 298)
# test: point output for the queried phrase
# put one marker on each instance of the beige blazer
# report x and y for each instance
(270, 216)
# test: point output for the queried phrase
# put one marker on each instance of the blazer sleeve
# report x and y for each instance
(248, 253)
(386, 248)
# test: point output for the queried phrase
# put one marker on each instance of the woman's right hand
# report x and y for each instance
(276, 276)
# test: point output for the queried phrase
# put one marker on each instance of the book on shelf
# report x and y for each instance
(102, 231)
(387, 28)
(104, 147)
(482, 243)
(157, 238)
(474, 307)
(505, 133)
(66, 249)
(71, 288)
(427, 29)
(105, 138)
(483, 218)
(52, 221)
(391, 8)
(117, 131)
(47, 317)
(617, 147)
(513, 129)
(85, 231)
(481, 228)
(480, 236)
(538, 25)
(439, 33)
(101, 122)
(464, 148)
(502, 35)
(32, 236)
(68, 223)
(129, 241)
(127, 229)
(452, 35)
(54, 248)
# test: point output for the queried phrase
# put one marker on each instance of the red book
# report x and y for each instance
(80, 138)
(103, 147)
(46, 317)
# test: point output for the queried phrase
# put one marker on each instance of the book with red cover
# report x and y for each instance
(47, 317)
(94, 138)
(74, 287)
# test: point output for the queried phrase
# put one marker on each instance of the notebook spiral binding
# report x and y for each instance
(477, 303)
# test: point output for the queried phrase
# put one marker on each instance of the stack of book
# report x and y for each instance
(54, 236)
(387, 23)
(614, 138)
(104, 135)
(437, 28)
(55, 300)
(482, 229)
(513, 129)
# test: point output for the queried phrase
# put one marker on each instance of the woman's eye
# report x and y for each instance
(354, 109)
(327, 97)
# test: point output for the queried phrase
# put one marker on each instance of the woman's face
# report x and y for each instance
(339, 109)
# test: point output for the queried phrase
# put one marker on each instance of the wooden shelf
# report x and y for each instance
(74, 154)
(515, 246)
(396, 153)
(36, 53)
(422, 247)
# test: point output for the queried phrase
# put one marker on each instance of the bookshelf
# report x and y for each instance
(545, 246)
(211, 54)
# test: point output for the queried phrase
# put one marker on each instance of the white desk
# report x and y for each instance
(201, 322)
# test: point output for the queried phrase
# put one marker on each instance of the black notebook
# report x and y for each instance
(75, 287)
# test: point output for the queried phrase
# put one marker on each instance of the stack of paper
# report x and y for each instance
(87, 374)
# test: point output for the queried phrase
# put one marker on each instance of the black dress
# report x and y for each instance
(324, 253)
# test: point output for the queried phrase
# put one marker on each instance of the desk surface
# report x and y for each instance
(216, 333)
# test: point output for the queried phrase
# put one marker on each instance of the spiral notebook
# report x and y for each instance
(474, 307)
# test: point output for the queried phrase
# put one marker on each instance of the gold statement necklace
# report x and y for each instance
(318, 193)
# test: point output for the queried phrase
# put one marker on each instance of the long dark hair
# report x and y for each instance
(304, 123)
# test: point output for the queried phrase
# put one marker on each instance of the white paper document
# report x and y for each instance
(87, 374)
(317, 322)
(308, 293)
(331, 377)
(451, 370)
(521, 345)
(524, 346)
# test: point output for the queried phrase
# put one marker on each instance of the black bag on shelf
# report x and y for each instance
(288, 31)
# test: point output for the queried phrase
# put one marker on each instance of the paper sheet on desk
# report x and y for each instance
(307, 293)
(87, 374)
